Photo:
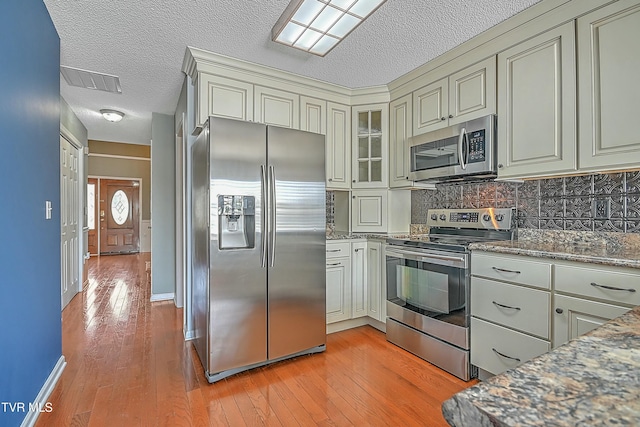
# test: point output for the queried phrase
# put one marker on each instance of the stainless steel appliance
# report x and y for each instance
(428, 285)
(464, 151)
(259, 245)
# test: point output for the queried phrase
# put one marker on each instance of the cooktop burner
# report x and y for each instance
(454, 229)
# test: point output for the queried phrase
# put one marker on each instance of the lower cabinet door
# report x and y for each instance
(338, 289)
(577, 316)
(496, 349)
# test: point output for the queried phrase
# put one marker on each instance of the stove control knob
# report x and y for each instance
(486, 217)
(499, 217)
(443, 217)
(434, 217)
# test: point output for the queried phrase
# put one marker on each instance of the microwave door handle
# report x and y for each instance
(461, 149)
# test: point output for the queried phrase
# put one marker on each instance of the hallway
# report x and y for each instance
(128, 365)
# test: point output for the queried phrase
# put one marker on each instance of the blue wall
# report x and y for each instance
(30, 332)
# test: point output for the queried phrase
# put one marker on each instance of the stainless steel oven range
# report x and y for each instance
(428, 285)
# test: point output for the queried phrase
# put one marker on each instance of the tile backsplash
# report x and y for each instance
(548, 204)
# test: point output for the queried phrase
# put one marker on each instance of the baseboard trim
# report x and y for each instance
(163, 297)
(355, 323)
(41, 399)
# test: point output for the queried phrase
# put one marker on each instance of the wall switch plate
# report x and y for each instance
(47, 209)
(601, 208)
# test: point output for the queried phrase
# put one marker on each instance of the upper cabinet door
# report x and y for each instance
(609, 91)
(338, 148)
(472, 92)
(277, 107)
(313, 115)
(537, 106)
(431, 107)
(399, 134)
(222, 97)
(370, 149)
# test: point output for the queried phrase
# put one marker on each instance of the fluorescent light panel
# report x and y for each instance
(317, 26)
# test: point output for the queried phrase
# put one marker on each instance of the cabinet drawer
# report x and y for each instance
(488, 340)
(597, 283)
(337, 250)
(512, 269)
(511, 305)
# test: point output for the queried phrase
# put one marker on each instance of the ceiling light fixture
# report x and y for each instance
(112, 115)
(317, 26)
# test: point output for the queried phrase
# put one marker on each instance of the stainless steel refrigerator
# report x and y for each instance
(258, 219)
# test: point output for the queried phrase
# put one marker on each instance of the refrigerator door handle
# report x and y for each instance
(272, 214)
(263, 216)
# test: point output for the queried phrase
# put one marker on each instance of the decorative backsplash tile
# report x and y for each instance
(547, 204)
(331, 208)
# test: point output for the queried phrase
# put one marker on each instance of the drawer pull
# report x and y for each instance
(502, 270)
(504, 355)
(334, 250)
(612, 288)
(505, 306)
(334, 264)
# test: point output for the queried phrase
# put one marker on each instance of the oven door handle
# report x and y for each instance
(459, 261)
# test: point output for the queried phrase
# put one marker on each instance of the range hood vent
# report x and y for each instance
(91, 79)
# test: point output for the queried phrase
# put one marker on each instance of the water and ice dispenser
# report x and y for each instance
(237, 221)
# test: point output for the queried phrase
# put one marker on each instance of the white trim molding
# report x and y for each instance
(163, 297)
(40, 402)
(118, 156)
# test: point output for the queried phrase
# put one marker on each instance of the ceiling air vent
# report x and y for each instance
(91, 79)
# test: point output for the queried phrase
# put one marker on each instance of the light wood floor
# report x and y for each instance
(128, 365)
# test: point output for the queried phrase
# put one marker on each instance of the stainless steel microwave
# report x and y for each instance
(463, 151)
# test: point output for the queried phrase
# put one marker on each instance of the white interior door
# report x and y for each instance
(69, 217)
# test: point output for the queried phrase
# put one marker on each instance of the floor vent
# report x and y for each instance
(91, 79)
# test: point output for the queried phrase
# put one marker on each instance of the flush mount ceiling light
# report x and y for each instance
(317, 26)
(112, 115)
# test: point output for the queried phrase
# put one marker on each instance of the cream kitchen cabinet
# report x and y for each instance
(370, 146)
(338, 281)
(537, 106)
(608, 89)
(359, 279)
(465, 95)
(588, 296)
(375, 298)
(510, 310)
(338, 147)
(222, 97)
(313, 115)
(400, 130)
(277, 107)
(380, 211)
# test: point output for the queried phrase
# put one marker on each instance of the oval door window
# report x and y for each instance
(120, 207)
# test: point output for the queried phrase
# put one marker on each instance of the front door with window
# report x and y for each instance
(119, 216)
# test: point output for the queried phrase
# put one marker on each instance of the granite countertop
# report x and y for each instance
(615, 249)
(354, 236)
(593, 380)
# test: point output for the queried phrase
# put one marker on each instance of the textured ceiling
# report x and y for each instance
(143, 42)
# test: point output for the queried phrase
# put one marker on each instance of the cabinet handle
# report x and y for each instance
(353, 197)
(334, 250)
(333, 264)
(500, 165)
(559, 310)
(504, 355)
(502, 270)
(353, 181)
(451, 116)
(443, 118)
(330, 179)
(506, 306)
(612, 288)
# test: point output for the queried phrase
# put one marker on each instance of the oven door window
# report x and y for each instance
(429, 289)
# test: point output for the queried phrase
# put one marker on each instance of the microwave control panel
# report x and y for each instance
(476, 146)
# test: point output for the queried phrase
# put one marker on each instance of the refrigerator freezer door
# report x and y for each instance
(296, 277)
(238, 287)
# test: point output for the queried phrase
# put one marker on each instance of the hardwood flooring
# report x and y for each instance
(128, 365)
